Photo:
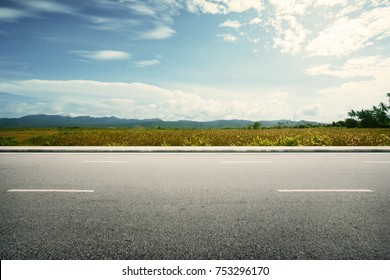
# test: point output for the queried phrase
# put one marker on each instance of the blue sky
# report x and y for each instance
(194, 59)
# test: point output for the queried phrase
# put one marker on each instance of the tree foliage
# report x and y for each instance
(377, 117)
(255, 125)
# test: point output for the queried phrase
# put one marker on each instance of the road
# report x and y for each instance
(195, 206)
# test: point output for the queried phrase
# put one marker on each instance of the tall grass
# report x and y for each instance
(202, 137)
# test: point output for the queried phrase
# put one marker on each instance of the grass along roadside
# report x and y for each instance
(192, 137)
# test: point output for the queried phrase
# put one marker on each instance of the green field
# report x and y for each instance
(201, 137)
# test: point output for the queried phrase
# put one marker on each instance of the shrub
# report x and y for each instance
(8, 141)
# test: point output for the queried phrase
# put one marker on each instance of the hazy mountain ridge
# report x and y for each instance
(46, 121)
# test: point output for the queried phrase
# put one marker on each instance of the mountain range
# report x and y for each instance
(46, 121)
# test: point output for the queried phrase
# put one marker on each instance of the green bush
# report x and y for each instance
(42, 140)
(8, 141)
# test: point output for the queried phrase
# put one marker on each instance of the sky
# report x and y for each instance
(194, 59)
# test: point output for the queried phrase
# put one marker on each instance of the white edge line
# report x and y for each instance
(180, 153)
(50, 190)
(377, 161)
(324, 190)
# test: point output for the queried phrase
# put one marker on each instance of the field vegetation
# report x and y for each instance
(367, 127)
(316, 136)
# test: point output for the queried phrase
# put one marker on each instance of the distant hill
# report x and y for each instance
(46, 121)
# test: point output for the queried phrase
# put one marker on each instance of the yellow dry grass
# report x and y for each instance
(322, 136)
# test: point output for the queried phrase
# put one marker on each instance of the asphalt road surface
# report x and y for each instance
(195, 206)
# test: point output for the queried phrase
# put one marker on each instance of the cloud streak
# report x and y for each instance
(235, 24)
(33, 8)
(147, 63)
(158, 33)
(103, 55)
(228, 37)
(11, 14)
(42, 6)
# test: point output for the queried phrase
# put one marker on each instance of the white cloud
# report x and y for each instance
(286, 17)
(204, 6)
(331, 3)
(322, 69)
(33, 8)
(228, 37)
(290, 34)
(11, 14)
(135, 100)
(347, 35)
(240, 6)
(235, 24)
(256, 21)
(312, 110)
(143, 9)
(47, 6)
(348, 25)
(355, 92)
(102, 55)
(121, 14)
(343, 37)
(110, 24)
(147, 63)
(223, 6)
(326, 27)
(159, 33)
(81, 89)
(365, 66)
(355, 95)
(292, 7)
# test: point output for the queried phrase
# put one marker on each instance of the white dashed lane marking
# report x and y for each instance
(244, 161)
(324, 190)
(105, 161)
